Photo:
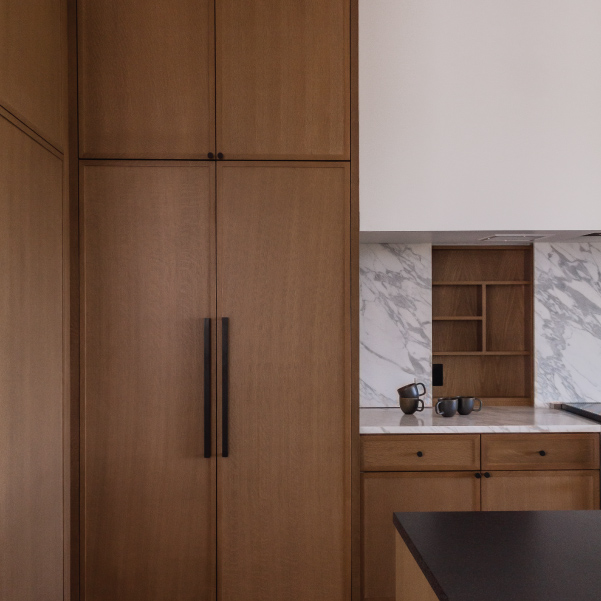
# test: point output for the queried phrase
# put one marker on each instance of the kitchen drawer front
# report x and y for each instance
(568, 451)
(419, 452)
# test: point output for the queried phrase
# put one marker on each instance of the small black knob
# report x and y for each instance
(542, 453)
(220, 155)
(420, 454)
(478, 475)
(210, 155)
(486, 475)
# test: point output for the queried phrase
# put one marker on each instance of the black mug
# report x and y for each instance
(447, 406)
(411, 391)
(410, 406)
(466, 404)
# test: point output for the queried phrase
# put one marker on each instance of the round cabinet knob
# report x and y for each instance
(220, 155)
(486, 475)
(211, 155)
(542, 453)
(420, 454)
(478, 475)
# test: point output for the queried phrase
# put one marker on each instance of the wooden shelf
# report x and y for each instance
(457, 318)
(481, 354)
(482, 306)
(485, 283)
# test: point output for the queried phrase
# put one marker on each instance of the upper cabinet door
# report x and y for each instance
(146, 78)
(31, 63)
(283, 72)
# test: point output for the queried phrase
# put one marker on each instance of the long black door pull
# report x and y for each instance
(207, 388)
(225, 385)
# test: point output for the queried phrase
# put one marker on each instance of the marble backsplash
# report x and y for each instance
(395, 321)
(567, 323)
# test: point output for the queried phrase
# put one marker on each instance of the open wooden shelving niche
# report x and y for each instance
(482, 322)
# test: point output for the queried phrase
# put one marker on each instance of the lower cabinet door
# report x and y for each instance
(383, 493)
(283, 519)
(540, 490)
(148, 489)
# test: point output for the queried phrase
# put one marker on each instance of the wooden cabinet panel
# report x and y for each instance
(283, 282)
(385, 493)
(389, 452)
(533, 491)
(523, 451)
(146, 78)
(31, 369)
(32, 64)
(283, 75)
(148, 496)
(411, 583)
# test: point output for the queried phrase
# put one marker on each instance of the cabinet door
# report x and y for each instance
(382, 494)
(283, 79)
(283, 281)
(148, 491)
(146, 78)
(534, 491)
(31, 369)
(32, 64)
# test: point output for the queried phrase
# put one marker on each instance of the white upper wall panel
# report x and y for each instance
(480, 114)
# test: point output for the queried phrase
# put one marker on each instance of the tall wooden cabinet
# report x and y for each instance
(216, 417)
(271, 519)
(34, 304)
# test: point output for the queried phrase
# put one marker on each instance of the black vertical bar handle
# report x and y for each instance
(207, 388)
(225, 387)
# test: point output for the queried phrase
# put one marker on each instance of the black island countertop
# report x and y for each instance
(507, 555)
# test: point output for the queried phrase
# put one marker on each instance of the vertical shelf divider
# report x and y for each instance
(484, 348)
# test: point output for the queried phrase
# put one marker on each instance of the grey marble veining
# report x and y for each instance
(567, 306)
(491, 420)
(396, 321)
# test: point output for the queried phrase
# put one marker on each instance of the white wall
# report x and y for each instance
(480, 114)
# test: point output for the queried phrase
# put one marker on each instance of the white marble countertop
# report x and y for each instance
(489, 420)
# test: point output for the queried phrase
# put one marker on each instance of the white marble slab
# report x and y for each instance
(395, 321)
(567, 306)
(498, 420)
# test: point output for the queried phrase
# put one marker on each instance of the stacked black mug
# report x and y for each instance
(409, 398)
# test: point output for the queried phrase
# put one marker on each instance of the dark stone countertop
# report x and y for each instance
(507, 555)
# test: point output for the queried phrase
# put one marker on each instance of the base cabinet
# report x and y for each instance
(386, 492)
(408, 473)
